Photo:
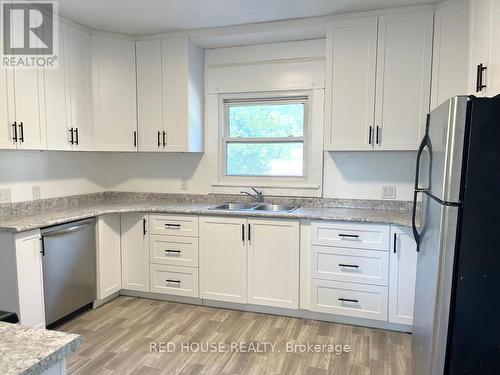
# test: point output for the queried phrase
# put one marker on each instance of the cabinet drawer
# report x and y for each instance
(174, 250)
(180, 281)
(356, 300)
(351, 265)
(357, 236)
(174, 225)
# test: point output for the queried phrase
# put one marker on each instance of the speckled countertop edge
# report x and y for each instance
(48, 213)
(30, 351)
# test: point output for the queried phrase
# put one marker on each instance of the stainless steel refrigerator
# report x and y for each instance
(456, 324)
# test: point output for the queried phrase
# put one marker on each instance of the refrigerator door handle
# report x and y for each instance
(418, 189)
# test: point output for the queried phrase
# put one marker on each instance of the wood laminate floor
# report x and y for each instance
(120, 338)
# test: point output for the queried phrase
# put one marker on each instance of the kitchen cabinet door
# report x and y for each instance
(402, 275)
(30, 109)
(403, 80)
(493, 88)
(135, 252)
(273, 262)
(57, 98)
(350, 84)
(30, 279)
(114, 86)
(223, 259)
(79, 53)
(149, 95)
(109, 278)
(480, 39)
(6, 110)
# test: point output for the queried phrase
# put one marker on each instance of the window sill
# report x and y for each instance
(266, 185)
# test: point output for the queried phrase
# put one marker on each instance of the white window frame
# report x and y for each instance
(226, 139)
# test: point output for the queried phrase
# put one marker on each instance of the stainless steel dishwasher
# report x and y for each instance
(69, 268)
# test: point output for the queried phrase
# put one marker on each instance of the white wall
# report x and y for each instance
(57, 173)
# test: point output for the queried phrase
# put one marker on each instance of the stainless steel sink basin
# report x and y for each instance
(235, 206)
(276, 207)
(255, 207)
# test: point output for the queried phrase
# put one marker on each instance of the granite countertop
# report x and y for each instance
(26, 350)
(38, 216)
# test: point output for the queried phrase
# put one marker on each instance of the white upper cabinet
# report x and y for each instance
(484, 68)
(170, 92)
(80, 77)
(404, 60)
(450, 58)
(29, 114)
(350, 89)
(378, 88)
(149, 95)
(6, 110)
(114, 87)
(402, 275)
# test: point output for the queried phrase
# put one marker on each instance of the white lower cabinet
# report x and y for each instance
(356, 300)
(253, 261)
(273, 262)
(223, 259)
(135, 252)
(402, 275)
(175, 280)
(109, 277)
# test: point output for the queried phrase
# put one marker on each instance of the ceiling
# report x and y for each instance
(138, 17)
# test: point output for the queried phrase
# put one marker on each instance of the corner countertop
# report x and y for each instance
(31, 351)
(39, 216)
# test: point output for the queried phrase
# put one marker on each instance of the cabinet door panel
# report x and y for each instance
(223, 259)
(80, 76)
(493, 83)
(30, 279)
(175, 94)
(149, 95)
(273, 263)
(57, 98)
(350, 98)
(29, 101)
(135, 252)
(403, 79)
(402, 275)
(6, 109)
(115, 93)
(480, 39)
(109, 278)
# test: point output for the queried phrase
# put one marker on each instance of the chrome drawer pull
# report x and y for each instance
(177, 252)
(348, 265)
(177, 226)
(348, 235)
(348, 300)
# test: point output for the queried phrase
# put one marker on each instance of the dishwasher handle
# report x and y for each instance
(74, 228)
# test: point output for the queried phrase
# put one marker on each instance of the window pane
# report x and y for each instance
(266, 120)
(265, 159)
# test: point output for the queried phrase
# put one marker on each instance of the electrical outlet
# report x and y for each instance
(36, 192)
(184, 184)
(5, 196)
(389, 192)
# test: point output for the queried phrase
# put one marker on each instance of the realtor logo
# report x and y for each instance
(29, 34)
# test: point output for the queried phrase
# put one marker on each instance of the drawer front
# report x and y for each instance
(357, 236)
(174, 250)
(179, 281)
(350, 265)
(356, 300)
(174, 225)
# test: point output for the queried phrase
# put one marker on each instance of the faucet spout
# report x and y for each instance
(258, 196)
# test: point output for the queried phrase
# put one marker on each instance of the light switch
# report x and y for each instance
(5, 196)
(389, 192)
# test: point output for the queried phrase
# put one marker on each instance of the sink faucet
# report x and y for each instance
(258, 196)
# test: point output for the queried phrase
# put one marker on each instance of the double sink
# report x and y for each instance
(265, 207)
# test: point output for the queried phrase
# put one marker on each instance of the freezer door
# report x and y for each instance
(433, 286)
(446, 132)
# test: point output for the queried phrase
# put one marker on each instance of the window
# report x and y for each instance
(265, 138)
